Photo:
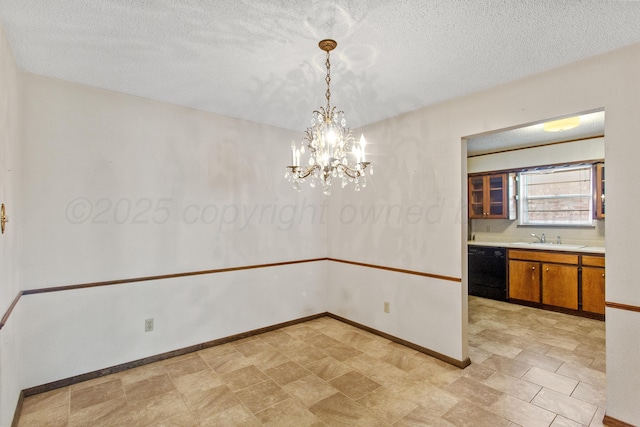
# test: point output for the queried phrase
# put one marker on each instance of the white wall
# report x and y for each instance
(90, 329)
(10, 192)
(421, 163)
(120, 187)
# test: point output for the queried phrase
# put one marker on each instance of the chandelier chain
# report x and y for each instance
(328, 80)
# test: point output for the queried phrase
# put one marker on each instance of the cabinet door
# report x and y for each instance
(560, 285)
(496, 196)
(476, 197)
(524, 280)
(593, 289)
(488, 196)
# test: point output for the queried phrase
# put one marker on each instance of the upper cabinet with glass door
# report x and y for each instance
(488, 196)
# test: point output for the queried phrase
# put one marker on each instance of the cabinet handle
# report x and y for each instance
(602, 274)
(547, 268)
(533, 268)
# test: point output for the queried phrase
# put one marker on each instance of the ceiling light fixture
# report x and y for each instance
(562, 124)
(333, 152)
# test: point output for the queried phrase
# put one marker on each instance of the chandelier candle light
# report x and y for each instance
(333, 152)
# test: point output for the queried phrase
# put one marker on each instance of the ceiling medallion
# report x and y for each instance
(333, 152)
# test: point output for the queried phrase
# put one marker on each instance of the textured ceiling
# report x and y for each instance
(591, 125)
(258, 60)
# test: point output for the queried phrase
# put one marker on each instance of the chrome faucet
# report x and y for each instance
(541, 238)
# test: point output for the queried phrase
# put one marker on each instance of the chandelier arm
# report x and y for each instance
(301, 173)
(356, 172)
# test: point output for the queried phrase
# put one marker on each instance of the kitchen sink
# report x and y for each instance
(549, 245)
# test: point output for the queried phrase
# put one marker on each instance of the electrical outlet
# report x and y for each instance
(148, 325)
(386, 307)
(488, 229)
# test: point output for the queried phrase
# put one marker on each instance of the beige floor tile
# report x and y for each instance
(243, 378)
(50, 416)
(306, 355)
(466, 414)
(561, 421)
(228, 362)
(287, 413)
(473, 390)
(186, 366)
(341, 352)
(521, 412)
(148, 388)
(354, 385)
(142, 373)
(478, 371)
(109, 413)
(507, 365)
(201, 380)
(262, 395)
(339, 410)
(564, 405)
(207, 403)
(387, 405)
(516, 387)
(43, 401)
(328, 368)
(286, 373)
(429, 396)
(157, 408)
(249, 348)
(583, 374)
(403, 359)
(551, 380)
(237, 415)
(591, 394)
(310, 389)
(268, 359)
(539, 360)
(421, 417)
(598, 418)
(100, 393)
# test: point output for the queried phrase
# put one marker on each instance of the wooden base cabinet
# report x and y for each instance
(593, 278)
(560, 285)
(524, 280)
(566, 280)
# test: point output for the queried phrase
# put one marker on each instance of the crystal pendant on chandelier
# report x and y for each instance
(333, 152)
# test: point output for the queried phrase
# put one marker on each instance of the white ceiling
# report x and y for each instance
(259, 60)
(591, 125)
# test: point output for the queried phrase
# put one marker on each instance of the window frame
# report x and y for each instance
(523, 217)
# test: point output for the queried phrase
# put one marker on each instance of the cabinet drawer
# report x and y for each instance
(593, 261)
(543, 256)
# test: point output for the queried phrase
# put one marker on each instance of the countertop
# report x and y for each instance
(541, 247)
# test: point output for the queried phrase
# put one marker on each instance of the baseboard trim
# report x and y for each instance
(450, 360)
(612, 422)
(163, 356)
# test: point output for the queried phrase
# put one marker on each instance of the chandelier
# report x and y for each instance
(333, 152)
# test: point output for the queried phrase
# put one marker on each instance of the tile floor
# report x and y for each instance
(529, 368)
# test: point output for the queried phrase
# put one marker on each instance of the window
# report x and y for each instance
(556, 196)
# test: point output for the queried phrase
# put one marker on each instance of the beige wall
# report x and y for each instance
(10, 195)
(421, 161)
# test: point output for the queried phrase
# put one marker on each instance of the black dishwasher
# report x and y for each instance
(488, 272)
